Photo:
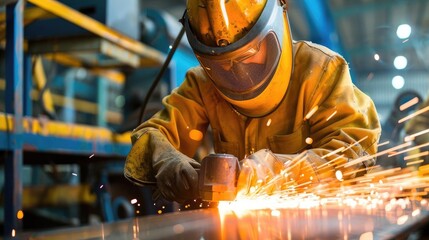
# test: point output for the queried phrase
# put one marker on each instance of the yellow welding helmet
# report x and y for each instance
(245, 47)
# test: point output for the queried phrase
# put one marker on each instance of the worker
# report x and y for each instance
(257, 89)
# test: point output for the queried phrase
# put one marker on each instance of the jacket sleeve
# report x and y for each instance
(345, 124)
(182, 122)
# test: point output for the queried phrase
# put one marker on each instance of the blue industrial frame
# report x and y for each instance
(18, 104)
(14, 105)
(322, 27)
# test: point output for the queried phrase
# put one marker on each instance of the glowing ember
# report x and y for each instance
(401, 220)
(275, 213)
(309, 140)
(367, 236)
(339, 175)
(20, 214)
(269, 122)
(195, 135)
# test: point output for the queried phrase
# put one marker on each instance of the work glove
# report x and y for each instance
(177, 177)
(154, 161)
(265, 173)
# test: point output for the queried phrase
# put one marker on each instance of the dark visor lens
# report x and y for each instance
(244, 74)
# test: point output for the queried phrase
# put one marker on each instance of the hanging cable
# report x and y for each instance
(160, 74)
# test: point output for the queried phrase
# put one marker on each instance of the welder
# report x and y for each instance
(257, 89)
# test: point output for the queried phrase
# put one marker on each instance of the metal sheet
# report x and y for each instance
(315, 223)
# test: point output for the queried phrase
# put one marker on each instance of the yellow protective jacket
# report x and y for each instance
(320, 83)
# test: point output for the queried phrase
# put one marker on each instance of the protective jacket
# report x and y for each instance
(322, 111)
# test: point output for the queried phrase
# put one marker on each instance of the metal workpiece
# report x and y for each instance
(321, 222)
(218, 177)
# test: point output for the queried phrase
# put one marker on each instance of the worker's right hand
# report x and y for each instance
(177, 178)
(259, 174)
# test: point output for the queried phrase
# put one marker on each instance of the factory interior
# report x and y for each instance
(74, 76)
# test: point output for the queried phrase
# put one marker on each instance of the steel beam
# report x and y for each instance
(14, 105)
(322, 28)
(98, 29)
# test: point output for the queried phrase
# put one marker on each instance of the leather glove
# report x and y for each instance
(176, 174)
(177, 177)
(154, 161)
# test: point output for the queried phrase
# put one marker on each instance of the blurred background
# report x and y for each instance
(88, 65)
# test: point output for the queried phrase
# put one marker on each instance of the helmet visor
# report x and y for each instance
(244, 73)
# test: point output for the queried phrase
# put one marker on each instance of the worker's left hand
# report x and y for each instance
(177, 177)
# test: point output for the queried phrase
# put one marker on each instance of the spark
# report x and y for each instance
(74, 174)
(330, 116)
(397, 192)
(383, 143)
(365, 158)
(413, 136)
(401, 220)
(269, 122)
(409, 149)
(332, 161)
(354, 144)
(417, 155)
(101, 186)
(339, 175)
(413, 114)
(309, 140)
(13, 233)
(408, 104)
(92, 155)
(333, 152)
(133, 201)
(415, 212)
(311, 112)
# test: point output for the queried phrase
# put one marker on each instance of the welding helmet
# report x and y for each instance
(245, 48)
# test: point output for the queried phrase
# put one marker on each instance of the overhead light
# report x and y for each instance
(376, 57)
(398, 82)
(400, 62)
(403, 31)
